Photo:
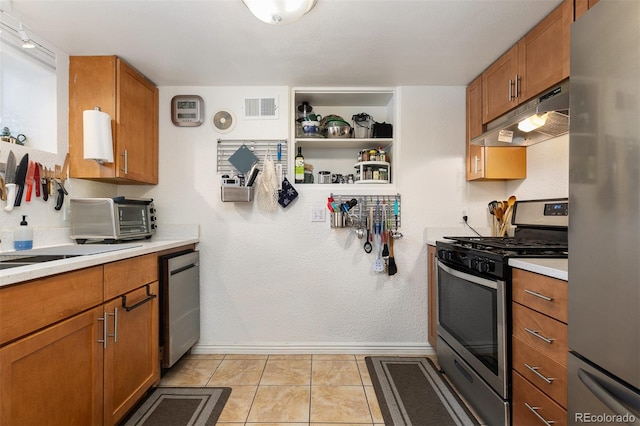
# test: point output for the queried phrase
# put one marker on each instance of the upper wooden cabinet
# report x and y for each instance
(132, 102)
(485, 163)
(538, 61)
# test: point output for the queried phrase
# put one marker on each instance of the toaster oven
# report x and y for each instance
(112, 219)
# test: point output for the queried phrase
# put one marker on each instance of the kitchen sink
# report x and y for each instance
(13, 261)
(48, 254)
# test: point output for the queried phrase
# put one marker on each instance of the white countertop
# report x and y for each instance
(90, 255)
(555, 268)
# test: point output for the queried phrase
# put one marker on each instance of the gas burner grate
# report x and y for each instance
(511, 244)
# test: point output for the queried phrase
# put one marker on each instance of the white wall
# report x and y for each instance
(547, 171)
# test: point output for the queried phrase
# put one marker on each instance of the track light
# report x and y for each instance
(26, 41)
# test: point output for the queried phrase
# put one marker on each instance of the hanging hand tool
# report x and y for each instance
(29, 181)
(21, 176)
(10, 177)
(43, 182)
(36, 178)
(61, 189)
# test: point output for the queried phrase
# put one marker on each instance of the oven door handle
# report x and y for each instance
(468, 277)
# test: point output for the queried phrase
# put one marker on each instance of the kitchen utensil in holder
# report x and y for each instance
(352, 218)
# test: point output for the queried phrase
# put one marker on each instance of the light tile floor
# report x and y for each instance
(285, 389)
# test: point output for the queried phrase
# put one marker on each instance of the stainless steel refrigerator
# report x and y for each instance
(604, 218)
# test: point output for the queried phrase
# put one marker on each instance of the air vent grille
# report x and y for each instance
(261, 108)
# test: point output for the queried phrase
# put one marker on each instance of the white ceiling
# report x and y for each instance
(339, 43)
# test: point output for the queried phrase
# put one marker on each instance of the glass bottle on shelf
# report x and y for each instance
(299, 166)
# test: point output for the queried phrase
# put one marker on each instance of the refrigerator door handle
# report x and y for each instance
(618, 399)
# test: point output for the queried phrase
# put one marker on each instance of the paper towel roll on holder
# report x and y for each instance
(97, 136)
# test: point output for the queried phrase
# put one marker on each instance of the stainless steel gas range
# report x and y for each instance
(474, 300)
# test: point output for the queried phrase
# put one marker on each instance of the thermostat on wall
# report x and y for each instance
(187, 110)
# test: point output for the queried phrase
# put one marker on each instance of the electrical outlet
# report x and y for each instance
(318, 214)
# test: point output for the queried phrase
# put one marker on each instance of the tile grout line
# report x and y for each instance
(253, 400)
(366, 398)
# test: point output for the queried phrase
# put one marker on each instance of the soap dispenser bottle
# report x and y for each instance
(23, 236)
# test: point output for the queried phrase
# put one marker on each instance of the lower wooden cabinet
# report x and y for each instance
(131, 362)
(532, 407)
(540, 349)
(54, 377)
(88, 368)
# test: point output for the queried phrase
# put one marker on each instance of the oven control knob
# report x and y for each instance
(483, 267)
(446, 255)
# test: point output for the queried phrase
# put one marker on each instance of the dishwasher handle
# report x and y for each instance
(182, 269)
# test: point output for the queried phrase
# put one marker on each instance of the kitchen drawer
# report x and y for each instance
(532, 407)
(526, 359)
(545, 334)
(126, 275)
(541, 293)
(39, 303)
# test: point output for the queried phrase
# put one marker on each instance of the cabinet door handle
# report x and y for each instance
(534, 410)
(105, 332)
(477, 161)
(538, 335)
(126, 162)
(541, 296)
(516, 94)
(149, 298)
(115, 325)
(535, 371)
(510, 98)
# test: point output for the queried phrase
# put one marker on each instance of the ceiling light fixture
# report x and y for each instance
(531, 123)
(26, 41)
(279, 12)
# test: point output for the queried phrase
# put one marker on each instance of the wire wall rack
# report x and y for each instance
(260, 147)
(383, 207)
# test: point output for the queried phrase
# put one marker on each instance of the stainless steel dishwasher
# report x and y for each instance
(180, 305)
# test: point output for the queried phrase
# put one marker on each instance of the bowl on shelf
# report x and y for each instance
(310, 128)
(338, 131)
(337, 128)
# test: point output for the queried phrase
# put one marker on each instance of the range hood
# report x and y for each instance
(550, 109)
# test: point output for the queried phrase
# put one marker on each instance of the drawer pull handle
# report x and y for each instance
(534, 410)
(535, 371)
(541, 296)
(538, 335)
(149, 298)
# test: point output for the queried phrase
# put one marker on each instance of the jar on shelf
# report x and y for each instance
(373, 155)
(368, 173)
(383, 173)
(364, 155)
(382, 156)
